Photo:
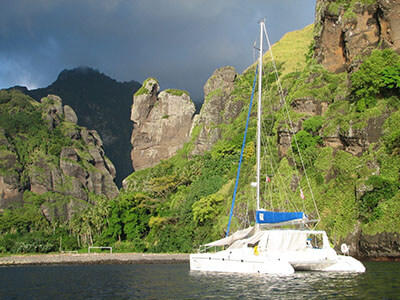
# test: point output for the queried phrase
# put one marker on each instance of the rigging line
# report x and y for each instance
(291, 123)
(266, 162)
(264, 138)
(281, 181)
(273, 162)
(241, 153)
(246, 216)
(277, 178)
(268, 186)
(255, 48)
(274, 181)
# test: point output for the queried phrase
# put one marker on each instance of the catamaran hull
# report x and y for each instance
(215, 262)
(340, 264)
(212, 262)
(280, 251)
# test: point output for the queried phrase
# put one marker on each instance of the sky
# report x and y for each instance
(179, 42)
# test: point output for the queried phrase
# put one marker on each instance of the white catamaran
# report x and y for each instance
(266, 248)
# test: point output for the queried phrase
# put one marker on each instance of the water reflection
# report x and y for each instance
(381, 281)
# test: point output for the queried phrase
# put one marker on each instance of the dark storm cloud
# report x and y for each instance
(180, 42)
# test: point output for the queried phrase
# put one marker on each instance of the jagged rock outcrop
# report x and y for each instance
(285, 137)
(353, 140)
(161, 123)
(309, 106)
(164, 121)
(356, 141)
(219, 107)
(64, 171)
(346, 31)
(10, 187)
(70, 114)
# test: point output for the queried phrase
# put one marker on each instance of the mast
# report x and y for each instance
(259, 113)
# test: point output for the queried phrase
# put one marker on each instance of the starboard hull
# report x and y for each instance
(213, 262)
(277, 252)
(341, 264)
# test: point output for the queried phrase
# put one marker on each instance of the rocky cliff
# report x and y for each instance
(349, 42)
(346, 30)
(218, 108)
(164, 121)
(45, 154)
(345, 33)
(161, 123)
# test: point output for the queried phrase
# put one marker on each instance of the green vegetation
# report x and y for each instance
(31, 140)
(144, 89)
(391, 136)
(24, 229)
(176, 92)
(347, 6)
(290, 50)
(378, 77)
(313, 124)
(382, 190)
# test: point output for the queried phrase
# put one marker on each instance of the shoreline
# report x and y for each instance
(93, 258)
(115, 258)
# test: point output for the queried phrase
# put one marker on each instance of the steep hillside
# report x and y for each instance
(52, 173)
(188, 200)
(101, 103)
(346, 126)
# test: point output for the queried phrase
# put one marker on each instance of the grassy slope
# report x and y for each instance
(291, 49)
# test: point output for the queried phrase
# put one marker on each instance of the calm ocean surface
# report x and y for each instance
(381, 281)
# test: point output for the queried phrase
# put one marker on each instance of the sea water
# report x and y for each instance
(175, 281)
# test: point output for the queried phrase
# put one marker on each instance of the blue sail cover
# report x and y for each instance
(268, 217)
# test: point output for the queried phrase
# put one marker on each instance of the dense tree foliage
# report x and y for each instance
(378, 76)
